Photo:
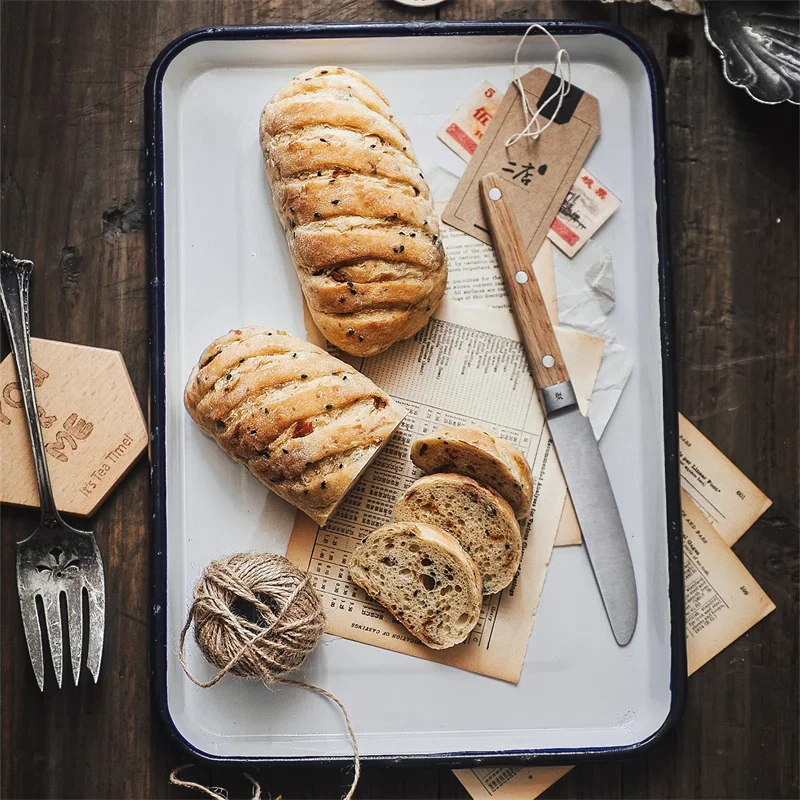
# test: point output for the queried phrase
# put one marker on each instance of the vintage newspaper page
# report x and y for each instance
(730, 500)
(474, 278)
(463, 367)
(723, 601)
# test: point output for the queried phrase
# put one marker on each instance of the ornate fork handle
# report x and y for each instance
(15, 276)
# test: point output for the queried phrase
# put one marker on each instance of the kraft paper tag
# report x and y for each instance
(91, 421)
(538, 172)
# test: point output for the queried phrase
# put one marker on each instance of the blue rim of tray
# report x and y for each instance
(155, 185)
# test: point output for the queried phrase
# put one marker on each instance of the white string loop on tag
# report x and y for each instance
(561, 67)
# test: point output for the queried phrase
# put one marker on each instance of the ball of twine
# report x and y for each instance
(256, 615)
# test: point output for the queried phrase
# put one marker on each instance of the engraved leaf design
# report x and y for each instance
(57, 563)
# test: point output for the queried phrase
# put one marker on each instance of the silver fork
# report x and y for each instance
(55, 559)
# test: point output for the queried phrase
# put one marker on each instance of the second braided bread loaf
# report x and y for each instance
(304, 423)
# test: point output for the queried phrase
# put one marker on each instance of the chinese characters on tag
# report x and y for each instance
(524, 173)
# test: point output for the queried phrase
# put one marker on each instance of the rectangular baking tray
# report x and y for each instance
(220, 261)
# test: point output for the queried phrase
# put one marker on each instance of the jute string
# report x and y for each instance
(562, 68)
(215, 792)
(257, 616)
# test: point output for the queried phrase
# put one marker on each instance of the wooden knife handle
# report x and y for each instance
(524, 293)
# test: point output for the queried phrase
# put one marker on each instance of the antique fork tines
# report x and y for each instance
(55, 559)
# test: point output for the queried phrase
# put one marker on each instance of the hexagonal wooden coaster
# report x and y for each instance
(93, 426)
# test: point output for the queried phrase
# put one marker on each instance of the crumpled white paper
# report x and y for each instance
(585, 292)
(599, 278)
(441, 182)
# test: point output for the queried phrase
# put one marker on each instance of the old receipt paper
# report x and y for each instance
(464, 367)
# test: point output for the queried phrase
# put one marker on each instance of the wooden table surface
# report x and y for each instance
(73, 200)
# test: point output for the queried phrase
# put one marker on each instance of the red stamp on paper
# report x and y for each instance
(461, 137)
(569, 236)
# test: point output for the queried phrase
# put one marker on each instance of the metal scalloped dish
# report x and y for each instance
(759, 43)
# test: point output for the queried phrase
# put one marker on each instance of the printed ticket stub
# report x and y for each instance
(464, 130)
(586, 207)
(723, 601)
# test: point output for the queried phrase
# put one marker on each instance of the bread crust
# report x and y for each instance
(430, 541)
(472, 451)
(303, 422)
(485, 524)
(361, 227)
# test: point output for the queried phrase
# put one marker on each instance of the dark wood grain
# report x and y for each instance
(72, 183)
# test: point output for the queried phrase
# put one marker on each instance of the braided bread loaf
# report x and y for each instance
(304, 423)
(357, 211)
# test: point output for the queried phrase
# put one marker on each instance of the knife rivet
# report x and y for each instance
(521, 277)
(495, 193)
(548, 361)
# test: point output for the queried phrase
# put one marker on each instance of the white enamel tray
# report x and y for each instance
(220, 261)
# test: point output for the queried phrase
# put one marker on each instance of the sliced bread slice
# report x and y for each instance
(481, 520)
(470, 450)
(424, 577)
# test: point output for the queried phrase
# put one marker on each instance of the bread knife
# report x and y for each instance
(577, 449)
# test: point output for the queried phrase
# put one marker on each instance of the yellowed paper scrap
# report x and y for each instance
(569, 529)
(730, 500)
(723, 599)
(465, 366)
(509, 783)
